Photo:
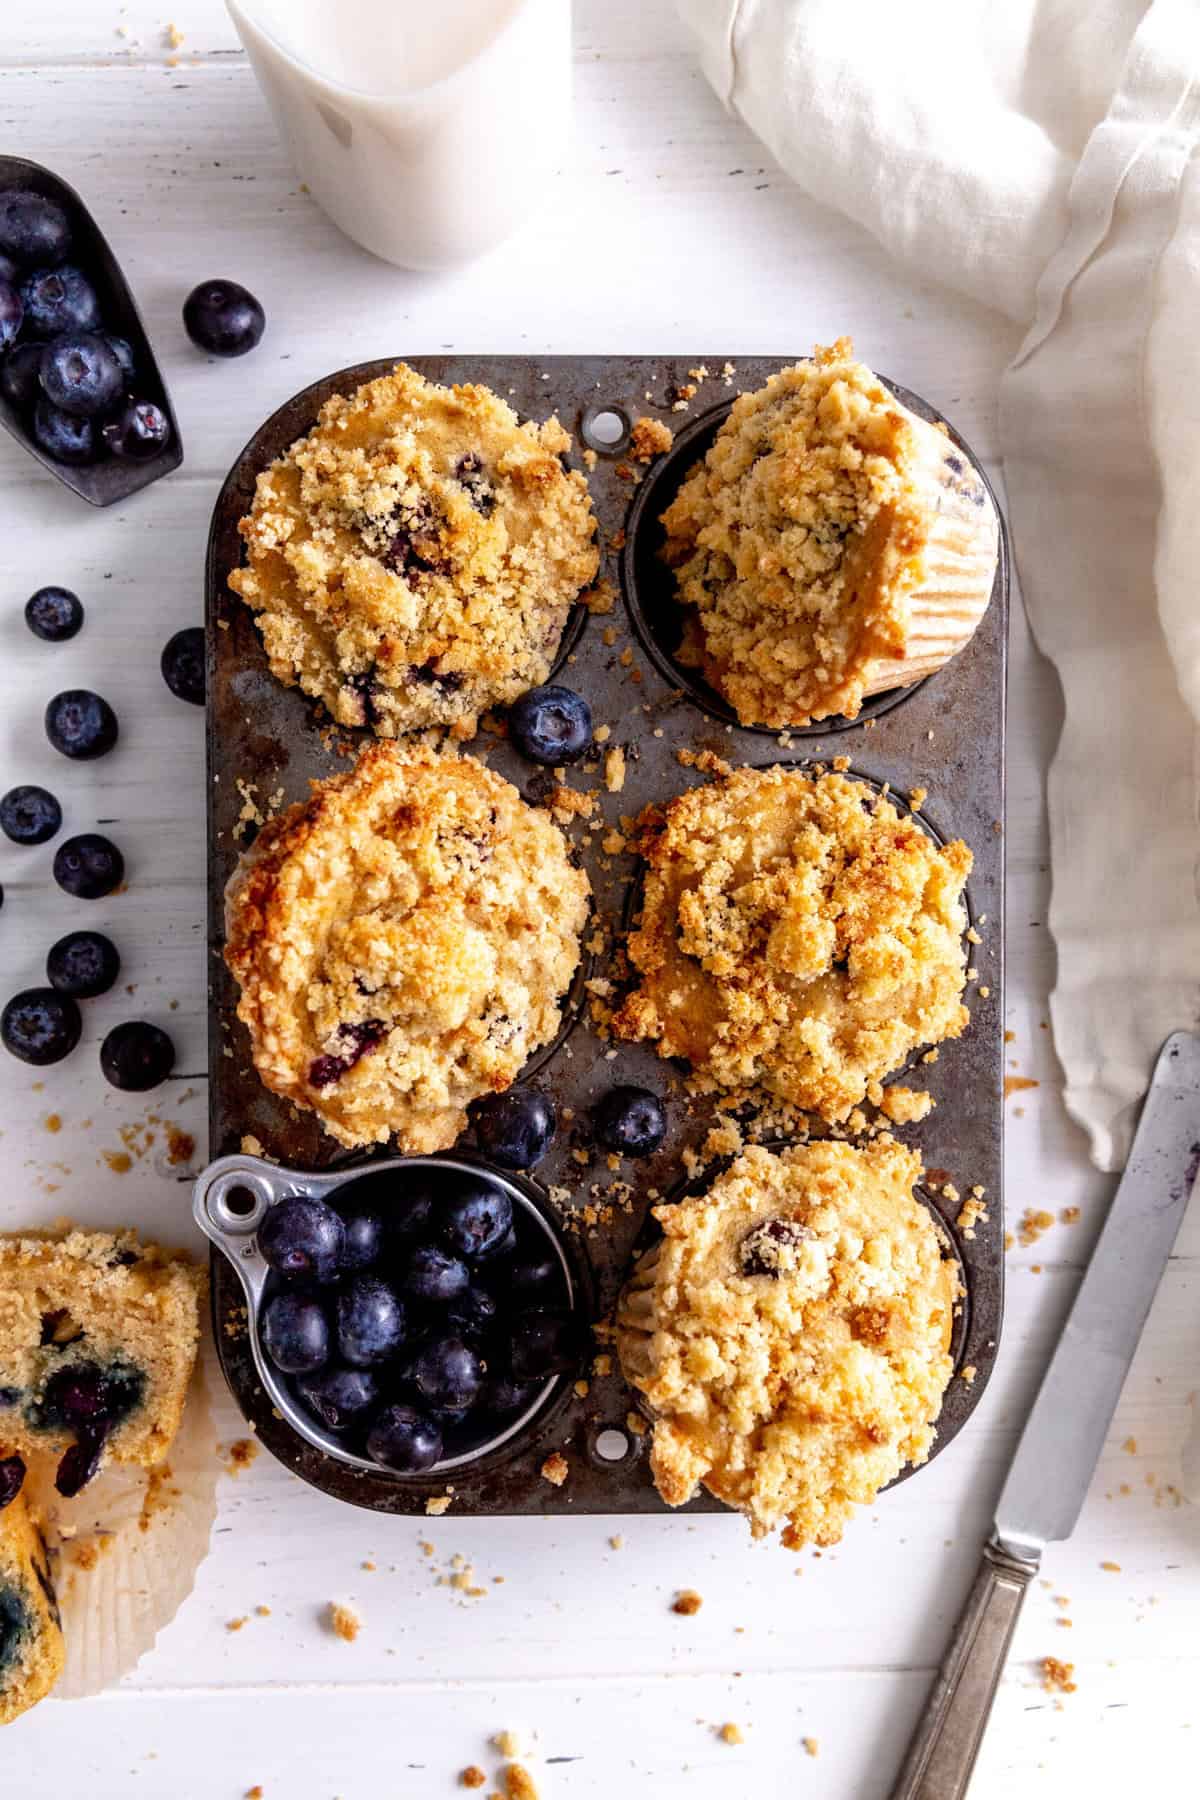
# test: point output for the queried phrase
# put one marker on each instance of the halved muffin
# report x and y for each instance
(31, 1641)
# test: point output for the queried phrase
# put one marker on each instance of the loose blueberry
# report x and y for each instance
(58, 300)
(34, 231)
(183, 664)
(551, 725)
(122, 349)
(514, 1129)
(543, 1343)
(302, 1237)
(505, 1395)
(364, 1241)
(532, 1280)
(405, 1440)
(140, 429)
(136, 1056)
(29, 815)
(370, 1321)
(630, 1120)
(40, 1026)
(340, 1396)
(433, 1275)
(81, 725)
(447, 1374)
(80, 373)
(19, 376)
(11, 314)
(475, 1220)
(474, 1314)
(296, 1333)
(88, 866)
(223, 318)
(80, 1462)
(54, 614)
(12, 1474)
(83, 964)
(64, 438)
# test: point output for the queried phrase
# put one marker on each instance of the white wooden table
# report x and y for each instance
(668, 229)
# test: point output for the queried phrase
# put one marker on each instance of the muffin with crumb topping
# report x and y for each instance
(31, 1641)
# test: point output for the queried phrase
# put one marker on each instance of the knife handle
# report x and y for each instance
(941, 1754)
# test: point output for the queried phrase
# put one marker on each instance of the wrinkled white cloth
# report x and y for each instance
(1043, 156)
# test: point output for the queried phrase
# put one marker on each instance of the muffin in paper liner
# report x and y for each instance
(791, 1333)
(832, 544)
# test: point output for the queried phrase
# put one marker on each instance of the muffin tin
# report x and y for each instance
(265, 742)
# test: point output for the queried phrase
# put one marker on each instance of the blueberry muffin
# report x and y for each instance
(791, 1335)
(413, 559)
(98, 1337)
(403, 940)
(798, 935)
(31, 1641)
(830, 545)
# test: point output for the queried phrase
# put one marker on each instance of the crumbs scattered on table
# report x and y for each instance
(241, 1453)
(1034, 1223)
(1057, 1676)
(1112, 1567)
(343, 1621)
(1017, 1084)
(686, 1602)
(811, 1746)
(616, 1542)
(731, 1734)
(1130, 1446)
(1070, 1215)
(235, 1624)
(472, 1777)
(555, 1469)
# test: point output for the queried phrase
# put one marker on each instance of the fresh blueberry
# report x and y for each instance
(11, 314)
(302, 1237)
(54, 614)
(296, 1333)
(370, 1321)
(223, 318)
(88, 866)
(364, 1241)
(29, 815)
(474, 1314)
(65, 439)
(433, 1275)
(543, 1343)
(514, 1129)
(475, 1220)
(340, 1396)
(409, 1215)
(58, 300)
(136, 1056)
(122, 349)
(404, 1439)
(9, 271)
(505, 1395)
(183, 664)
(80, 374)
(533, 1280)
(551, 725)
(40, 1026)
(630, 1120)
(447, 1374)
(140, 429)
(83, 964)
(12, 1474)
(19, 376)
(505, 1248)
(81, 724)
(34, 231)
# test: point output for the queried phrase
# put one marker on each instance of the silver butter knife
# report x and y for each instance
(1064, 1434)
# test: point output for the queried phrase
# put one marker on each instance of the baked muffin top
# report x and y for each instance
(802, 536)
(402, 940)
(791, 1335)
(412, 560)
(798, 934)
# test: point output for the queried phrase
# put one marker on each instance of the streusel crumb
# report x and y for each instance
(344, 1622)
(555, 1469)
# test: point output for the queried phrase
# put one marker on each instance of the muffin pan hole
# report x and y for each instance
(611, 1446)
(605, 429)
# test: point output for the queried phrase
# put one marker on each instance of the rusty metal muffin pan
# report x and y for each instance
(266, 742)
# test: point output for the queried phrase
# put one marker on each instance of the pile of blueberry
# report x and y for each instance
(72, 380)
(417, 1315)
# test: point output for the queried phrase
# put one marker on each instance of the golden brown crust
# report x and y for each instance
(791, 1335)
(402, 940)
(797, 934)
(412, 560)
(31, 1641)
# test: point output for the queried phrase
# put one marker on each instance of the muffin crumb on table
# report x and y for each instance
(343, 1621)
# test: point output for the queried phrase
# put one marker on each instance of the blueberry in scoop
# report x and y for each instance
(140, 429)
(29, 815)
(80, 374)
(12, 312)
(296, 1333)
(40, 1026)
(543, 1343)
(301, 1237)
(53, 613)
(64, 438)
(34, 230)
(136, 1056)
(340, 1396)
(58, 300)
(88, 866)
(370, 1321)
(433, 1275)
(476, 1219)
(447, 1374)
(19, 376)
(405, 1440)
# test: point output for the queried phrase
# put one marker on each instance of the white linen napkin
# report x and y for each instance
(1044, 157)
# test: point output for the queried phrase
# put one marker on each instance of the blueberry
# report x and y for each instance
(474, 1314)
(83, 964)
(340, 1396)
(296, 1333)
(514, 1129)
(9, 270)
(136, 1056)
(140, 429)
(410, 1215)
(183, 664)
(34, 230)
(80, 1462)
(302, 1236)
(80, 374)
(11, 314)
(122, 349)
(29, 815)
(40, 1026)
(551, 725)
(630, 1120)
(54, 614)
(19, 376)
(64, 438)
(543, 1343)
(58, 300)
(363, 1242)
(12, 1474)
(404, 1439)
(504, 1395)
(370, 1321)
(224, 318)
(88, 866)
(432, 1274)
(475, 1220)
(534, 1279)
(447, 1374)
(81, 724)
